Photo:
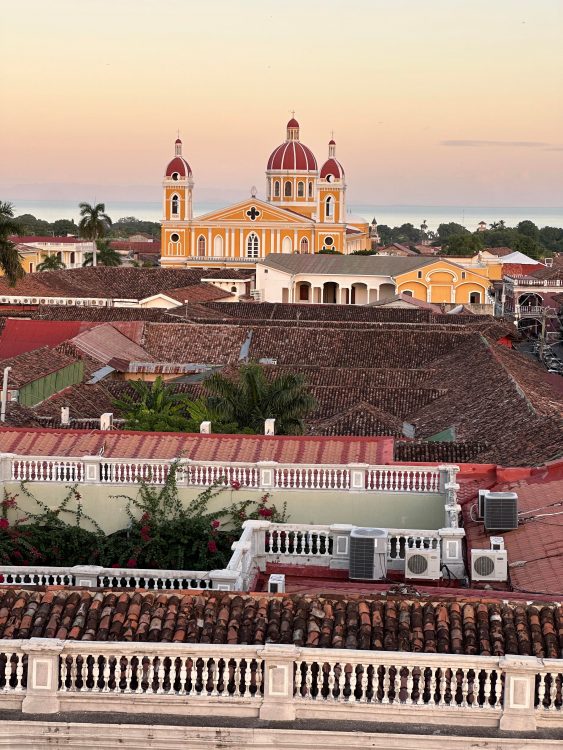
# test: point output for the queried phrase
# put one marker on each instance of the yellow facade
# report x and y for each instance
(305, 212)
(443, 281)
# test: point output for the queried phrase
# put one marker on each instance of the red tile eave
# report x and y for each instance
(167, 445)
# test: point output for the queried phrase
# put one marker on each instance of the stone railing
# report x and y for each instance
(280, 683)
(266, 475)
(95, 576)
(524, 310)
(329, 546)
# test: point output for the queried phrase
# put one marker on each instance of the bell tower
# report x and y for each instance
(177, 206)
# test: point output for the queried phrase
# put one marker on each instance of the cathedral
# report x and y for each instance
(305, 212)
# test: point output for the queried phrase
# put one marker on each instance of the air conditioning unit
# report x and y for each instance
(481, 504)
(548, 262)
(500, 512)
(497, 543)
(276, 583)
(422, 564)
(489, 565)
(368, 553)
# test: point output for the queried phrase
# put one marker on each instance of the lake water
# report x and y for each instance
(468, 216)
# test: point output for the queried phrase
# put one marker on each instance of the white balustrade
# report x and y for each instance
(191, 671)
(36, 575)
(420, 479)
(419, 680)
(403, 479)
(47, 470)
(297, 540)
(549, 695)
(400, 540)
(13, 667)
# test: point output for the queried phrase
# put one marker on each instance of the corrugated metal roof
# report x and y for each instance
(22, 335)
(340, 265)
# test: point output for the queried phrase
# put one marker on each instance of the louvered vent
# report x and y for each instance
(501, 511)
(417, 565)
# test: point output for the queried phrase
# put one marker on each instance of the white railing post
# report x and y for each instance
(519, 692)
(358, 477)
(92, 469)
(279, 664)
(452, 550)
(86, 575)
(257, 533)
(224, 580)
(340, 533)
(6, 467)
(266, 469)
(42, 695)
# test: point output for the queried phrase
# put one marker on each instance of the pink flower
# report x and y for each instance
(212, 546)
(235, 484)
(9, 502)
(1, 579)
(132, 563)
(4, 523)
(265, 512)
(146, 517)
(215, 524)
(17, 554)
(145, 533)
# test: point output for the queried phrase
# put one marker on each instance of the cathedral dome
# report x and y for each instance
(179, 166)
(292, 155)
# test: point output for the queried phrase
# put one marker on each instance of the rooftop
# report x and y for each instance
(433, 625)
(169, 445)
(336, 265)
(31, 366)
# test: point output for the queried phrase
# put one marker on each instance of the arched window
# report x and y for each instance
(304, 246)
(287, 189)
(287, 245)
(218, 246)
(300, 189)
(175, 205)
(201, 245)
(252, 246)
(329, 207)
(407, 292)
(475, 298)
(310, 189)
(276, 189)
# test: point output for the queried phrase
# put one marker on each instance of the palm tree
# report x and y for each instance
(106, 256)
(94, 224)
(253, 398)
(51, 263)
(153, 407)
(10, 260)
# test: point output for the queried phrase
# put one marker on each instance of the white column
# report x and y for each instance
(263, 244)
(278, 241)
(272, 246)
(209, 245)
(192, 243)
(240, 234)
(295, 240)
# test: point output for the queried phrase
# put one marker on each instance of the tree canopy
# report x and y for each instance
(106, 255)
(94, 224)
(10, 260)
(464, 245)
(51, 263)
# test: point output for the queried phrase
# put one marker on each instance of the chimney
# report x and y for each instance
(106, 421)
(65, 416)
(205, 428)
(270, 427)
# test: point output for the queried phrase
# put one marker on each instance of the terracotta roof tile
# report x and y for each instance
(360, 622)
(31, 366)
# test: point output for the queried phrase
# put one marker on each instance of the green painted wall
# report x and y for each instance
(39, 390)
(381, 509)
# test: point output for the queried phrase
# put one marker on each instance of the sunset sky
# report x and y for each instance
(442, 101)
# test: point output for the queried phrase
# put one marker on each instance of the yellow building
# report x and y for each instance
(445, 281)
(305, 212)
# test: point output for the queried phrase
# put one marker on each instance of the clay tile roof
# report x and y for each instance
(472, 627)
(31, 366)
(197, 293)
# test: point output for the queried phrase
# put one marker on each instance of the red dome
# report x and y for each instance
(332, 142)
(332, 167)
(292, 156)
(180, 165)
(178, 140)
(293, 123)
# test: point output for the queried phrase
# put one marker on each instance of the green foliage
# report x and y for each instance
(161, 533)
(528, 229)
(106, 255)
(51, 263)
(153, 407)
(251, 399)
(328, 251)
(447, 230)
(129, 225)
(30, 225)
(464, 245)
(551, 239)
(364, 252)
(10, 259)
(64, 227)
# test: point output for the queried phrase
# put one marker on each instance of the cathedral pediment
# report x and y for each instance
(254, 212)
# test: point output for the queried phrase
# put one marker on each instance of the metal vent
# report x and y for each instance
(361, 557)
(483, 566)
(501, 511)
(417, 565)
